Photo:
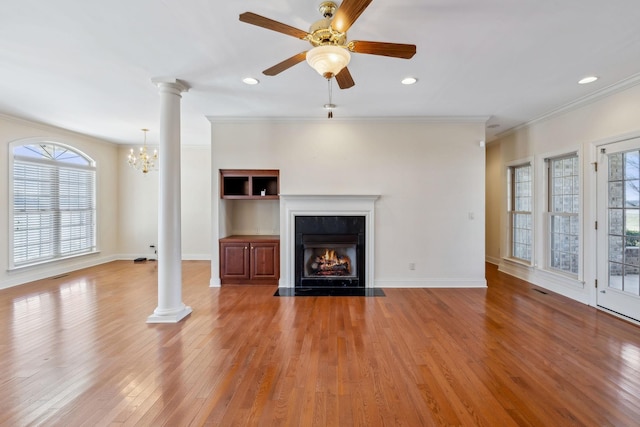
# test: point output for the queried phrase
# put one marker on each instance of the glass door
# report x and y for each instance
(618, 235)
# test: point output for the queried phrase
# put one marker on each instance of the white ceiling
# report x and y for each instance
(87, 65)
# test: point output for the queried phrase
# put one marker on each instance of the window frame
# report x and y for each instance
(512, 213)
(550, 213)
(57, 167)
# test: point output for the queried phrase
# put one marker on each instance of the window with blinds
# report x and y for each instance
(53, 212)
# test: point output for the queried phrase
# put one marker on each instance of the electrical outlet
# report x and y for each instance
(412, 266)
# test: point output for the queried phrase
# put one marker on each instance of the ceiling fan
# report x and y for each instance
(328, 36)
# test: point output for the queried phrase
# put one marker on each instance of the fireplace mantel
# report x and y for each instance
(292, 205)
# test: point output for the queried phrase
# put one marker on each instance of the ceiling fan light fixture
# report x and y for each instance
(328, 60)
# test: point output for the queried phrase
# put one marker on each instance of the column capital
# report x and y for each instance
(170, 82)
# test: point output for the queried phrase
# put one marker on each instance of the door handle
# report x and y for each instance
(603, 291)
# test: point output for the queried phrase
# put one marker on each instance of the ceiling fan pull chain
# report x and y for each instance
(330, 113)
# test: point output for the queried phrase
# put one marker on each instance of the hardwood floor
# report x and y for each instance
(76, 350)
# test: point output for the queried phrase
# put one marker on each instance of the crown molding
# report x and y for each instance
(400, 119)
(52, 128)
(598, 95)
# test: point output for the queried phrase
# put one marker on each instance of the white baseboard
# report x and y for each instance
(55, 268)
(553, 282)
(431, 283)
(492, 260)
(185, 257)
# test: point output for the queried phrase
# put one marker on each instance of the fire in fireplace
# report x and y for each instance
(330, 256)
(329, 263)
(330, 251)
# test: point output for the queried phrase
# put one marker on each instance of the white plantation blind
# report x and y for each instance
(53, 204)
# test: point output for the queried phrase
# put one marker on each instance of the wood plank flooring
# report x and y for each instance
(76, 351)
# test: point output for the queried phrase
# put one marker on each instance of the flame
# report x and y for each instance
(330, 255)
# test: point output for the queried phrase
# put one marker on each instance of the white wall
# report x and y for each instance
(603, 120)
(430, 176)
(105, 156)
(138, 205)
(494, 202)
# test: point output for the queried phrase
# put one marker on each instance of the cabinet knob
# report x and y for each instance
(245, 248)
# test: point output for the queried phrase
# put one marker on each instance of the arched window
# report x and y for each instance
(53, 212)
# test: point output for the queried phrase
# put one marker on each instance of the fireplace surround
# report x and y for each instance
(332, 206)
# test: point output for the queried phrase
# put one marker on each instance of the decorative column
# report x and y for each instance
(170, 308)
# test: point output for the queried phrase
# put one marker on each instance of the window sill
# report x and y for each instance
(518, 262)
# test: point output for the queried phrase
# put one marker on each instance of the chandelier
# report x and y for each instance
(143, 161)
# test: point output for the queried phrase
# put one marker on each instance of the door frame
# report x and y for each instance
(592, 157)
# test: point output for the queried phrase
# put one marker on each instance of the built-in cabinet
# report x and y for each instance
(249, 259)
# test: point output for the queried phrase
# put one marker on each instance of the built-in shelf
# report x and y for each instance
(249, 183)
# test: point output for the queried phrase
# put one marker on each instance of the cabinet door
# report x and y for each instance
(265, 260)
(234, 260)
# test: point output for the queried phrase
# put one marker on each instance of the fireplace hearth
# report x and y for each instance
(330, 251)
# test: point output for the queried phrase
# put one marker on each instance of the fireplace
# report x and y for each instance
(330, 251)
(293, 206)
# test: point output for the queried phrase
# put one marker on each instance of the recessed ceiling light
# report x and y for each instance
(250, 81)
(409, 80)
(588, 79)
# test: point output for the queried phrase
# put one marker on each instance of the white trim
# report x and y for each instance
(173, 316)
(592, 150)
(57, 165)
(431, 283)
(541, 216)
(292, 205)
(53, 269)
(509, 223)
(492, 260)
(553, 282)
(185, 257)
(411, 119)
(620, 86)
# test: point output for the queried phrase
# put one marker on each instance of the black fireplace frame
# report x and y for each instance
(317, 225)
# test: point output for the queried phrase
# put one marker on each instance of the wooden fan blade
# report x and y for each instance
(270, 24)
(347, 14)
(395, 50)
(286, 64)
(344, 79)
